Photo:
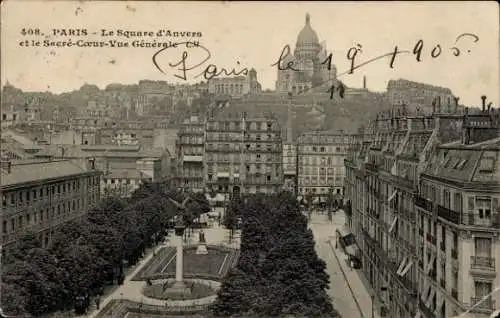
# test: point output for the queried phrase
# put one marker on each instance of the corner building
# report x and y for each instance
(422, 194)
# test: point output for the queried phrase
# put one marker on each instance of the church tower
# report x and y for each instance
(307, 60)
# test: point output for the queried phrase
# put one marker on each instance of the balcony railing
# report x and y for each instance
(487, 303)
(423, 203)
(482, 262)
(448, 215)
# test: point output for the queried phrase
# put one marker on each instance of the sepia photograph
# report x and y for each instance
(250, 159)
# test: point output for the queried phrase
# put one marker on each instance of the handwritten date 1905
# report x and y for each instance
(202, 55)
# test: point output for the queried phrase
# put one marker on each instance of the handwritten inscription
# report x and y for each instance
(286, 62)
(183, 67)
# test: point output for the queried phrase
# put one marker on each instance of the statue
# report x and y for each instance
(202, 236)
(202, 245)
(180, 224)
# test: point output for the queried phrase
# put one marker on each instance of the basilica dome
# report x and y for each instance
(307, 36)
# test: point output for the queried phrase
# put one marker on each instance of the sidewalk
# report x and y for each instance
(354, 278)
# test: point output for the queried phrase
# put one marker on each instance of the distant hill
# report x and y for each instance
(312, 112)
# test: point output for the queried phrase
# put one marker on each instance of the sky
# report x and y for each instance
(252, 35)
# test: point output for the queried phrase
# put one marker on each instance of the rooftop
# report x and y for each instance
(32, 171)
(467, 163)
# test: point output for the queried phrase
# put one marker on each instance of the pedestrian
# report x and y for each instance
(97, 302)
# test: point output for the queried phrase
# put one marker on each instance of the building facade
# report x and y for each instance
(420, 96)
(418, 249)
(237, 86)
(128, 133)
(124, 167)
(243, 154)
(290, 163)
(39, 196)
(321, 162)
(190, 150)
(308, 60)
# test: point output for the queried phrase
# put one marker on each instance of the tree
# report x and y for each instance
(236, 294)
(32, 283)
(13, 300)
(25, 243)
(278, 272)
(233, 214)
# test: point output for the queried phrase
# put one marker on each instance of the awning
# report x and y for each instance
(392, 196)
(393, 225)
(402, 265)
(350, 250)
(431, 296)
(406, 269)
(429, 265)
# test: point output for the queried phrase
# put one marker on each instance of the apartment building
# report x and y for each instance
(421, 96)
(189, 147)
(321, 162)
(290, 163)
(459, 223)
(243, 154)
(124, 167)
(39, 195)
(390, 176)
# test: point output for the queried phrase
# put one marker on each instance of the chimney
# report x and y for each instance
(364, 82)
(483, 98)
(456, 103)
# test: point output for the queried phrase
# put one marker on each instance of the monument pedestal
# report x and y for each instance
(178, 289)
(202, 249)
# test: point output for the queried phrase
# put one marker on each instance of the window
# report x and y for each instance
(458, 202)
(446, 199)
(482, 289)
(486, 164)
(483, 207)
(461, 164)
(482, 246)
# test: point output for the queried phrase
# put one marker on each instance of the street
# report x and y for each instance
(336, 261)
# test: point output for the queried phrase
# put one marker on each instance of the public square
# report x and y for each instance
(324, 233)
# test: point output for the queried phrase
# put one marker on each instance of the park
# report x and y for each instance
(148, 256)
